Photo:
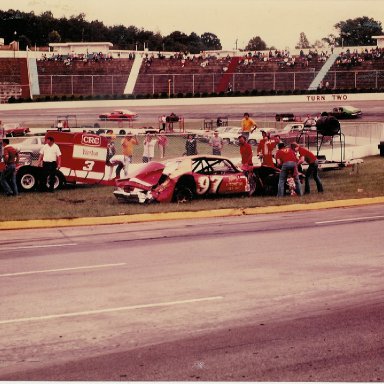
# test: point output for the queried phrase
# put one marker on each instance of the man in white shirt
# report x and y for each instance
(50, 160)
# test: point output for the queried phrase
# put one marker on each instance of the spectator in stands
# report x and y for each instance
(190, 145)
(60, 125)
(128, 144)
(11, 158)
(286, 160)
(313, 167)
(216, 143)
(247, 126)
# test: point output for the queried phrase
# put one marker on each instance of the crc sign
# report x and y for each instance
(92, 141)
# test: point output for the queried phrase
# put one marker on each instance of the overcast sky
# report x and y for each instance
(278, 22)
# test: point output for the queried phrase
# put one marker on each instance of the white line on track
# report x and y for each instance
(38, 246)
(350, 219)
(62, 269)
(110, 310)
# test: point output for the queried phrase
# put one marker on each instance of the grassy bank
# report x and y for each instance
(97, 201)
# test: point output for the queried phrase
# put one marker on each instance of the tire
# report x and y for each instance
(27, 179)
(226, 141)
(59, 181)
(252, 142)
(122, 132)
(183, 194)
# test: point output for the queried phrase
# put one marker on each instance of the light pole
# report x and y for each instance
(14, 44)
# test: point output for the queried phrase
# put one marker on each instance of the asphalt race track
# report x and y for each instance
(280, 297)
(372, 111)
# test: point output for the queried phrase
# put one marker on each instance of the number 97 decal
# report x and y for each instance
(205, 183)
(88, 165)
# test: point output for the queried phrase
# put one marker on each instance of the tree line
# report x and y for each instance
(40, 30)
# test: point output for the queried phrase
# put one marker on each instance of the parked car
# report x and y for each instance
(302, 135)
(119, 114)
(31, 145)
(183, 179)
(288, 116)
(231, 135)
(15, 129)
(346, 112)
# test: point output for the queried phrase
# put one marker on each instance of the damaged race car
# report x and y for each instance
(183, 179)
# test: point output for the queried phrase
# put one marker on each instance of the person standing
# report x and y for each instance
(191, 145)
(163, 121)
(216, 143)
(50, 160)
(265, 149)
(149, 148)
(11, 158)
(313, 167)
(128, 144)
(162, 142)
(247, 126)
(286, 160)
(246, 153)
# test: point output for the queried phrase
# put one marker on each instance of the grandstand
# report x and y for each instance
(210, 73)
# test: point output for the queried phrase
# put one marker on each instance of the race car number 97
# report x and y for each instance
(205, 183)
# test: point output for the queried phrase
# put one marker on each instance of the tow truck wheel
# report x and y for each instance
(59, 181)
(27, 180)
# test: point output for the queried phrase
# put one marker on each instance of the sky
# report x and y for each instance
(278, 22)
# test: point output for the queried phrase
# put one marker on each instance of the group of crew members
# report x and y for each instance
(274, 153)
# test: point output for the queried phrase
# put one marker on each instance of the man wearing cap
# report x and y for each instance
(286, 160)
(128, 144)
(216, 143)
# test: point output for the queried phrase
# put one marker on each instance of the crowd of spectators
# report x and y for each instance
(349, 59)
(84, 57)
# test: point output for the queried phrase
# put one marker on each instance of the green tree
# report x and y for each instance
(54, 37)
(303, 42)
(359, 31)
(210, 41)
(256, 44)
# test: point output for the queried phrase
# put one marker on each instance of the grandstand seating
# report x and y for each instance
(189, 74)
(78, 77)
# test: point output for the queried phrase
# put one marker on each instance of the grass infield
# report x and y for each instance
(365, 180)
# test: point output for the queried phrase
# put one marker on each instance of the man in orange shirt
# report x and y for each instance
(247, 126)
(127, 143)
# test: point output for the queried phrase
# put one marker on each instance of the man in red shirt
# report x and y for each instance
(286, 160)
(313, 167)
(245, 152)
(265, 149)
(11, 158)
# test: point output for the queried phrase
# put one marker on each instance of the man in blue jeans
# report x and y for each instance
(287, 160)
(8, 177)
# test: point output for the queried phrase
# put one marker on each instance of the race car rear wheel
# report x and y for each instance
(183, 194)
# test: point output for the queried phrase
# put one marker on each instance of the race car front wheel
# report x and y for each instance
(183, 194)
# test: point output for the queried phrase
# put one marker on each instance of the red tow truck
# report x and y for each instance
(83, 161)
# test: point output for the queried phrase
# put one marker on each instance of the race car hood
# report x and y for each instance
(144, 178)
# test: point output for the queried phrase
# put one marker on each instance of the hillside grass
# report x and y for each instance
(366, 180)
